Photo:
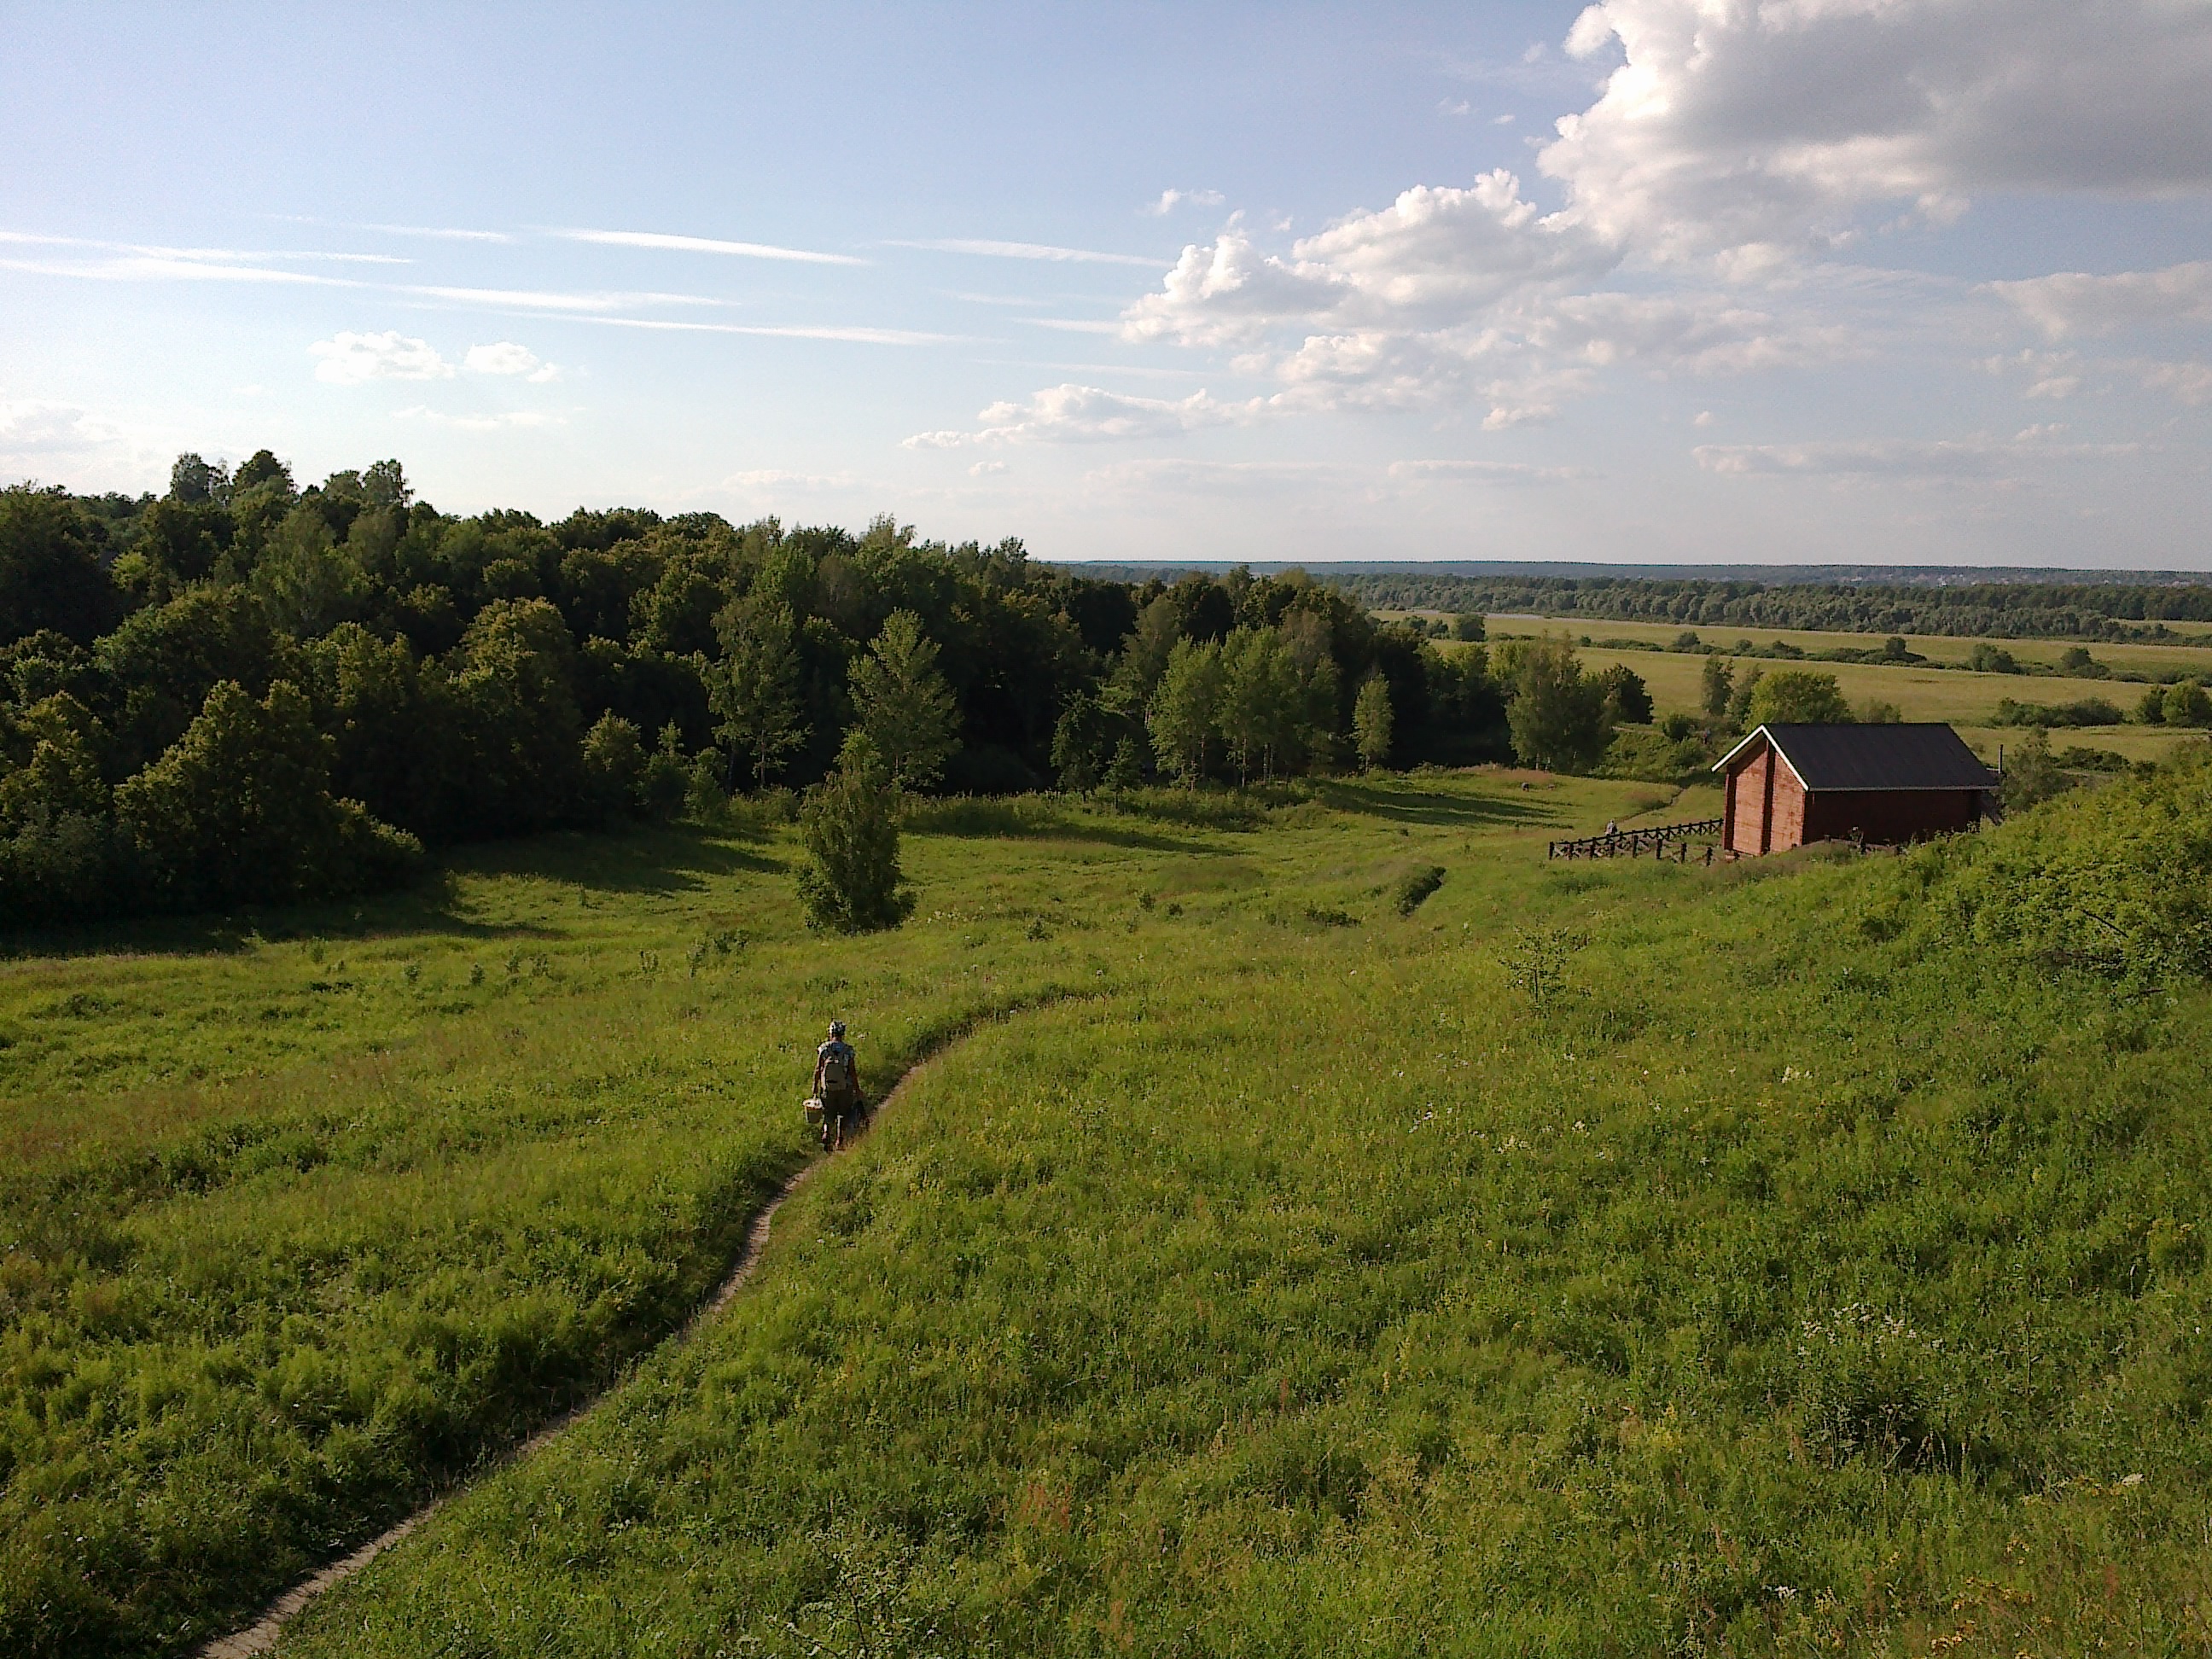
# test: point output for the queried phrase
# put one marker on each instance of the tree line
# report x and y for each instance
(2113, 610)
(246, 690)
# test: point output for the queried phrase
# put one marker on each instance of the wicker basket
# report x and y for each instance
(815, 1112)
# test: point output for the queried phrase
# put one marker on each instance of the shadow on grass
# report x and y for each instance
(1030, 817)
(1431, 807)
(655, 860)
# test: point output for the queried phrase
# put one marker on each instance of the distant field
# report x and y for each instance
(2192, 658)
(1967, 700)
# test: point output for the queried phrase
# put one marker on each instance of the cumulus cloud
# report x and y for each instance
(30, 428)
(350, 359)
(1733, 126)
(1732, 146)
(2074, 303)
(1086, 414)
(505, 357)
(1434, 255)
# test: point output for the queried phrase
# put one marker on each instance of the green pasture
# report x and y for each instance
(1964, 699)
(2190, 658)
(1596, 1259)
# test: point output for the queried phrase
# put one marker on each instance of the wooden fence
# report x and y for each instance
(1634, 843)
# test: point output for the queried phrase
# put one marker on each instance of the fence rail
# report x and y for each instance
(1636, 842)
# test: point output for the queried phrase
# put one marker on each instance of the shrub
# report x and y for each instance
(1412, 890)
(852, 882)
(240, 811)
(2115, 881)
(2087, 711)
(2186, 704)
(1797, 696)
(613, 765)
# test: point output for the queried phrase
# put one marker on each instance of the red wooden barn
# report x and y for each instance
(1789, 785)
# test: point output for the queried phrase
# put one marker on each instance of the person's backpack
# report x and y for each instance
(837, 1068)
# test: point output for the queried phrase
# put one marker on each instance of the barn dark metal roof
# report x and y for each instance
(1931, 756)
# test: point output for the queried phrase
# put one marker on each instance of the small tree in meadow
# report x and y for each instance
(1371, 722)
(852, 882)
(2188, 704)
(1719, 686)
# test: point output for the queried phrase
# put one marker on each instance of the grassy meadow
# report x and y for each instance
(1596, 1259)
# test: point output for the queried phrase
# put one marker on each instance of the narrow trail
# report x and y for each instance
(262, 1635)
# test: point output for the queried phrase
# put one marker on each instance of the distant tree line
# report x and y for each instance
(246, 690)
(1994, 610)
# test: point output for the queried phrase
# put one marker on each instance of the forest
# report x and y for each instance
(1993, 610)
(248, 691)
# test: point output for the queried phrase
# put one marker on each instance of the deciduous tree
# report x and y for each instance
(1181, 717)
(1800, 697)
(903, 703)
(754, 689)
(1558, 715)
(1371, 722)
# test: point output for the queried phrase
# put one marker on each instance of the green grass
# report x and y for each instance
(1273, 1277)
(2193, 657)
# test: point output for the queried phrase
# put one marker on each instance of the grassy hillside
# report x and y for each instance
(1594, 1259)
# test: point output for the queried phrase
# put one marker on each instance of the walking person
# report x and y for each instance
(838, 1085)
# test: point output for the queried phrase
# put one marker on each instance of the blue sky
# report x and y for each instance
(1904, 281)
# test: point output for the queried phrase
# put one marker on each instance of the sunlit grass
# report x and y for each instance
(1273, 1278)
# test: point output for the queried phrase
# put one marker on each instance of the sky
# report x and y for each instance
(1905, 281)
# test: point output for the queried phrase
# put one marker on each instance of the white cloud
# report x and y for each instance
(351, 359)
(857, 335)
(1210, 477)
(706, 245)
(986, 469)
(439, 233)
(1171, 199)
(1902, 459)
(35, 429)
(2058, 374)
(1498, 472)
(505, 357)
(1736, 145)
(2074, 303)
(1433, 256)
(1766, 127)
(58, 442)
(768, 485)
(528, 298)
(1086, 414)
(2189, 383)
(1031, 250)
(517, 417)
